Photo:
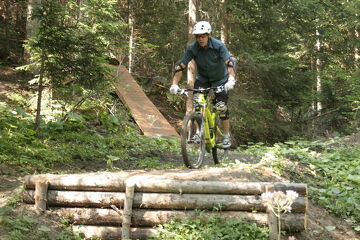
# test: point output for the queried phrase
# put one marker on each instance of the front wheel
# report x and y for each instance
(192, 140)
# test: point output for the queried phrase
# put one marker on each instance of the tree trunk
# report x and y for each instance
(40, 91)
(6, 16)
(151, 218)
(191, 66)
(356, 49)
(131, 37)
(318, 77)
(223, 36)
(31, 25)
(161, 200)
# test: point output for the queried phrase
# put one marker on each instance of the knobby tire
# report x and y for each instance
(192, 140)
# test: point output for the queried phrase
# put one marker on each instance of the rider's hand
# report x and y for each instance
(230, 83)
(174, 89)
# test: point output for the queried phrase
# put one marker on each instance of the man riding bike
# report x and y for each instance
(215, 67)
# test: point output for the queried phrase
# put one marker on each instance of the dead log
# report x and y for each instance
(79, 199)
(160, 200)
(110, 233)
(40, 195)
(155, 184)
(151, 218)
(89, 181)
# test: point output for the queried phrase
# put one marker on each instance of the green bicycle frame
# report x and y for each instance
(209, 121)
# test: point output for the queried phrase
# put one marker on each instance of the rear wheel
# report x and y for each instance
(192, 140)
(220, 154)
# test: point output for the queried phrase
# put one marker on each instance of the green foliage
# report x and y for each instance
(24, 226)
(276, 94)
(12, 23)
(336, 176)
(162, 31)
(82, 142)
(215, 228)
(75, 46)
(330, 168)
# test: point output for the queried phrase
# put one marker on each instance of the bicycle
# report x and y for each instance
(200, 132)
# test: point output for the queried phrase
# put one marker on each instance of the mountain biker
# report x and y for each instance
(215, 67)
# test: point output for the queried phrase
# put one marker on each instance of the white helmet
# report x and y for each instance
(202, 27)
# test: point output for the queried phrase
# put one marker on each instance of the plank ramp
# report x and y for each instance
(149, 119)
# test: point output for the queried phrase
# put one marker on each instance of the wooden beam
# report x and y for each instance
(151, 218)
(148, 182)
(127, 213)
(160, 200)
(40, 195)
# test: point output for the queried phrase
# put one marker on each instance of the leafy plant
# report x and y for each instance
(279, 203)
(26, 226)
(205, 228)
(81, 140)
(330, 168)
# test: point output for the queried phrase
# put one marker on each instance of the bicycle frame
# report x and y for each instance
(209, 118)
(200, 130)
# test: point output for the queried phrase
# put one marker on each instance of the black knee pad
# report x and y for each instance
(222, 110)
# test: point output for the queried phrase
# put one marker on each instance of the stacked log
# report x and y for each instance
(95, 202)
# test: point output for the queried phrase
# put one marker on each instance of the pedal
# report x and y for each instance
(220, 146)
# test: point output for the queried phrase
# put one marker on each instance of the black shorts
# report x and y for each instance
(219, 97)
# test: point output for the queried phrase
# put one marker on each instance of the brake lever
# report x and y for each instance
(220, 89)
(183, 91)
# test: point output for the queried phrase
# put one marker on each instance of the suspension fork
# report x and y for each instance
(209, 127)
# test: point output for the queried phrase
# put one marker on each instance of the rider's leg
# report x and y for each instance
(225, 125)
(223, 111)
(226, 141)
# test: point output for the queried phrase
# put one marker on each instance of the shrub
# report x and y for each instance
(213, 228)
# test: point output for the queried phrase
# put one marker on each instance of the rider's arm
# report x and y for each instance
(181, 65)
(230, 68)
(225, 55)
(178, 74)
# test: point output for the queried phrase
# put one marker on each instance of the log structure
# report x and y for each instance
(192, 201)
(128, 204)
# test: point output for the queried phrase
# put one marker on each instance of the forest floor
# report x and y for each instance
(319, 220)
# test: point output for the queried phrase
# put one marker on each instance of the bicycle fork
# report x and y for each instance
(209, 128)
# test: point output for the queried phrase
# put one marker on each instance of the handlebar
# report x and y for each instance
(217, 89)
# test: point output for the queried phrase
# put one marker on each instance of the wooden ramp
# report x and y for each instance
(149, 119)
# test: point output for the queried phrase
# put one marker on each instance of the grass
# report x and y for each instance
(330, 168)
